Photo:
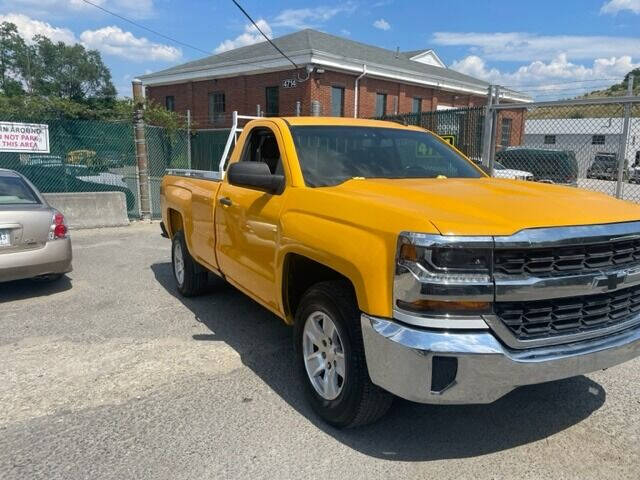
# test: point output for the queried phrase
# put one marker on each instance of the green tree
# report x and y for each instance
(70, 72)
(12, 46)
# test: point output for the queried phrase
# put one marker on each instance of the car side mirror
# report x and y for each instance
(255, 175)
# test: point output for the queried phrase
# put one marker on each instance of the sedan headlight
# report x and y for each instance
(444, 276)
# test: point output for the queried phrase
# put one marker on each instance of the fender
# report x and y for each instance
(364, 257)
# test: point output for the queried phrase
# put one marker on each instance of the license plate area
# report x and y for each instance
(5, 238)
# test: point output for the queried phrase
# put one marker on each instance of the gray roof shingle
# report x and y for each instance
(315, 41)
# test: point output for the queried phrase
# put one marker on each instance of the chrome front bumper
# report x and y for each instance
(401, 360)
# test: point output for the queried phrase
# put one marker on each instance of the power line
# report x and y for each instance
(585, 87)
(562, 83)
(146, 28)
(269, 40)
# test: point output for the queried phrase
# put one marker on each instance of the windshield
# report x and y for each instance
(329, 155)
(14, 190)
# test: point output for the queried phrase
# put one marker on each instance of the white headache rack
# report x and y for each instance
(232, 137)
(231, 140)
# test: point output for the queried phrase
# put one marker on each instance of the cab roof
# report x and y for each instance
(344, 122)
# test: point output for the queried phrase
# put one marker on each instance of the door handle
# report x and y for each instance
(226, 201)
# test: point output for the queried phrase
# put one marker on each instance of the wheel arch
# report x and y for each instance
(301, 271)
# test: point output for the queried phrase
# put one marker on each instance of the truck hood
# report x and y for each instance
(490, 206)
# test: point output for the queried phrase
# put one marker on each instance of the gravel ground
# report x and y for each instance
(110, 374)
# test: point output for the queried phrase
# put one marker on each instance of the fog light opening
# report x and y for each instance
(443, 373)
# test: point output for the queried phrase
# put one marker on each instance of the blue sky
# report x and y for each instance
(549, 49)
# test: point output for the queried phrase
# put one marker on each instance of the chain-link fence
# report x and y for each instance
(589, 143)
(462, 127)
(85, 156)
(100, 156)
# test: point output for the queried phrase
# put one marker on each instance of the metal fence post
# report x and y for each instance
(622, 148)
(189, 137)
(141, 151)
(486, 128)
(494, 129)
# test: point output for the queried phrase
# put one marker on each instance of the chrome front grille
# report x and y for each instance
(566, 259)
(569, 316)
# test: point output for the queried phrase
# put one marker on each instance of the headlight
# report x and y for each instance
(444, 276)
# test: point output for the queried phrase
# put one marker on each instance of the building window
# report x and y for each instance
(337, 101)
(170, 103)
(416, 106)
(272, 102)
(216, 107)
(549, 139)
(381, 104)
(597, 140)
(505, 132)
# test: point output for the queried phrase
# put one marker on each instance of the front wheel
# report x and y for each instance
(331, 359)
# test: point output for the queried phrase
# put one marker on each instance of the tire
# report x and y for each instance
(357, 400)
(191, 279)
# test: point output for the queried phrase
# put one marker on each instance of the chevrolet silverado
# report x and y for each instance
(402, 267)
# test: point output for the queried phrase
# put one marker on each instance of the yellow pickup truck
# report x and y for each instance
(403, 268)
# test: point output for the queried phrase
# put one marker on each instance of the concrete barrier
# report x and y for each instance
(91, 209)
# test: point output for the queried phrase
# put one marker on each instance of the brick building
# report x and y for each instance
(345, 78)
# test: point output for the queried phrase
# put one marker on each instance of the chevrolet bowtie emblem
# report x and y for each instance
(610, 281)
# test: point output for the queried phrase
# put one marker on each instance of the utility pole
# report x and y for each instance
(622, 148)
(141, 151)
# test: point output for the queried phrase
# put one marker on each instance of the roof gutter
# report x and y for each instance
(355, 91)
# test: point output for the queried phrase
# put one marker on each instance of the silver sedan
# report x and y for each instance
(34, 239)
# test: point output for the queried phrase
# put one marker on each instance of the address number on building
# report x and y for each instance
(289, 83)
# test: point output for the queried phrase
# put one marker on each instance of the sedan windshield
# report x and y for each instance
(15, 190)
(333, 154)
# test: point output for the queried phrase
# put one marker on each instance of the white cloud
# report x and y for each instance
(345, 32)
(614, 6)
(556, 78)
(299, 18)
(113, 40)
(58, 8)
(519, 46)
(28, 27)
(382, 24)
(250, 36)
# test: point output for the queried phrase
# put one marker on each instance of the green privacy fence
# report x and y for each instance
(97, 156)
(207, 147)
(461, 126)
(85, 156)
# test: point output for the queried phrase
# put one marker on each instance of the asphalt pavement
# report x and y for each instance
(109, 373)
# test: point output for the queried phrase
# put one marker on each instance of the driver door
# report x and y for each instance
(247, 221)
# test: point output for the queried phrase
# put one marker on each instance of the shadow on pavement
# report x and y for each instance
(410, 431)
(23, 289)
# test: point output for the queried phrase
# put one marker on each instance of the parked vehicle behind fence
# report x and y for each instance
(549, 166)
(403, 268)
(605, 167)
(34, 242)
(52, 179)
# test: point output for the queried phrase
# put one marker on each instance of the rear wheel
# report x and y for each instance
(190, 277)
(331, 359)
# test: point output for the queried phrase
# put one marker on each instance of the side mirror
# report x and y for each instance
(255, 175)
